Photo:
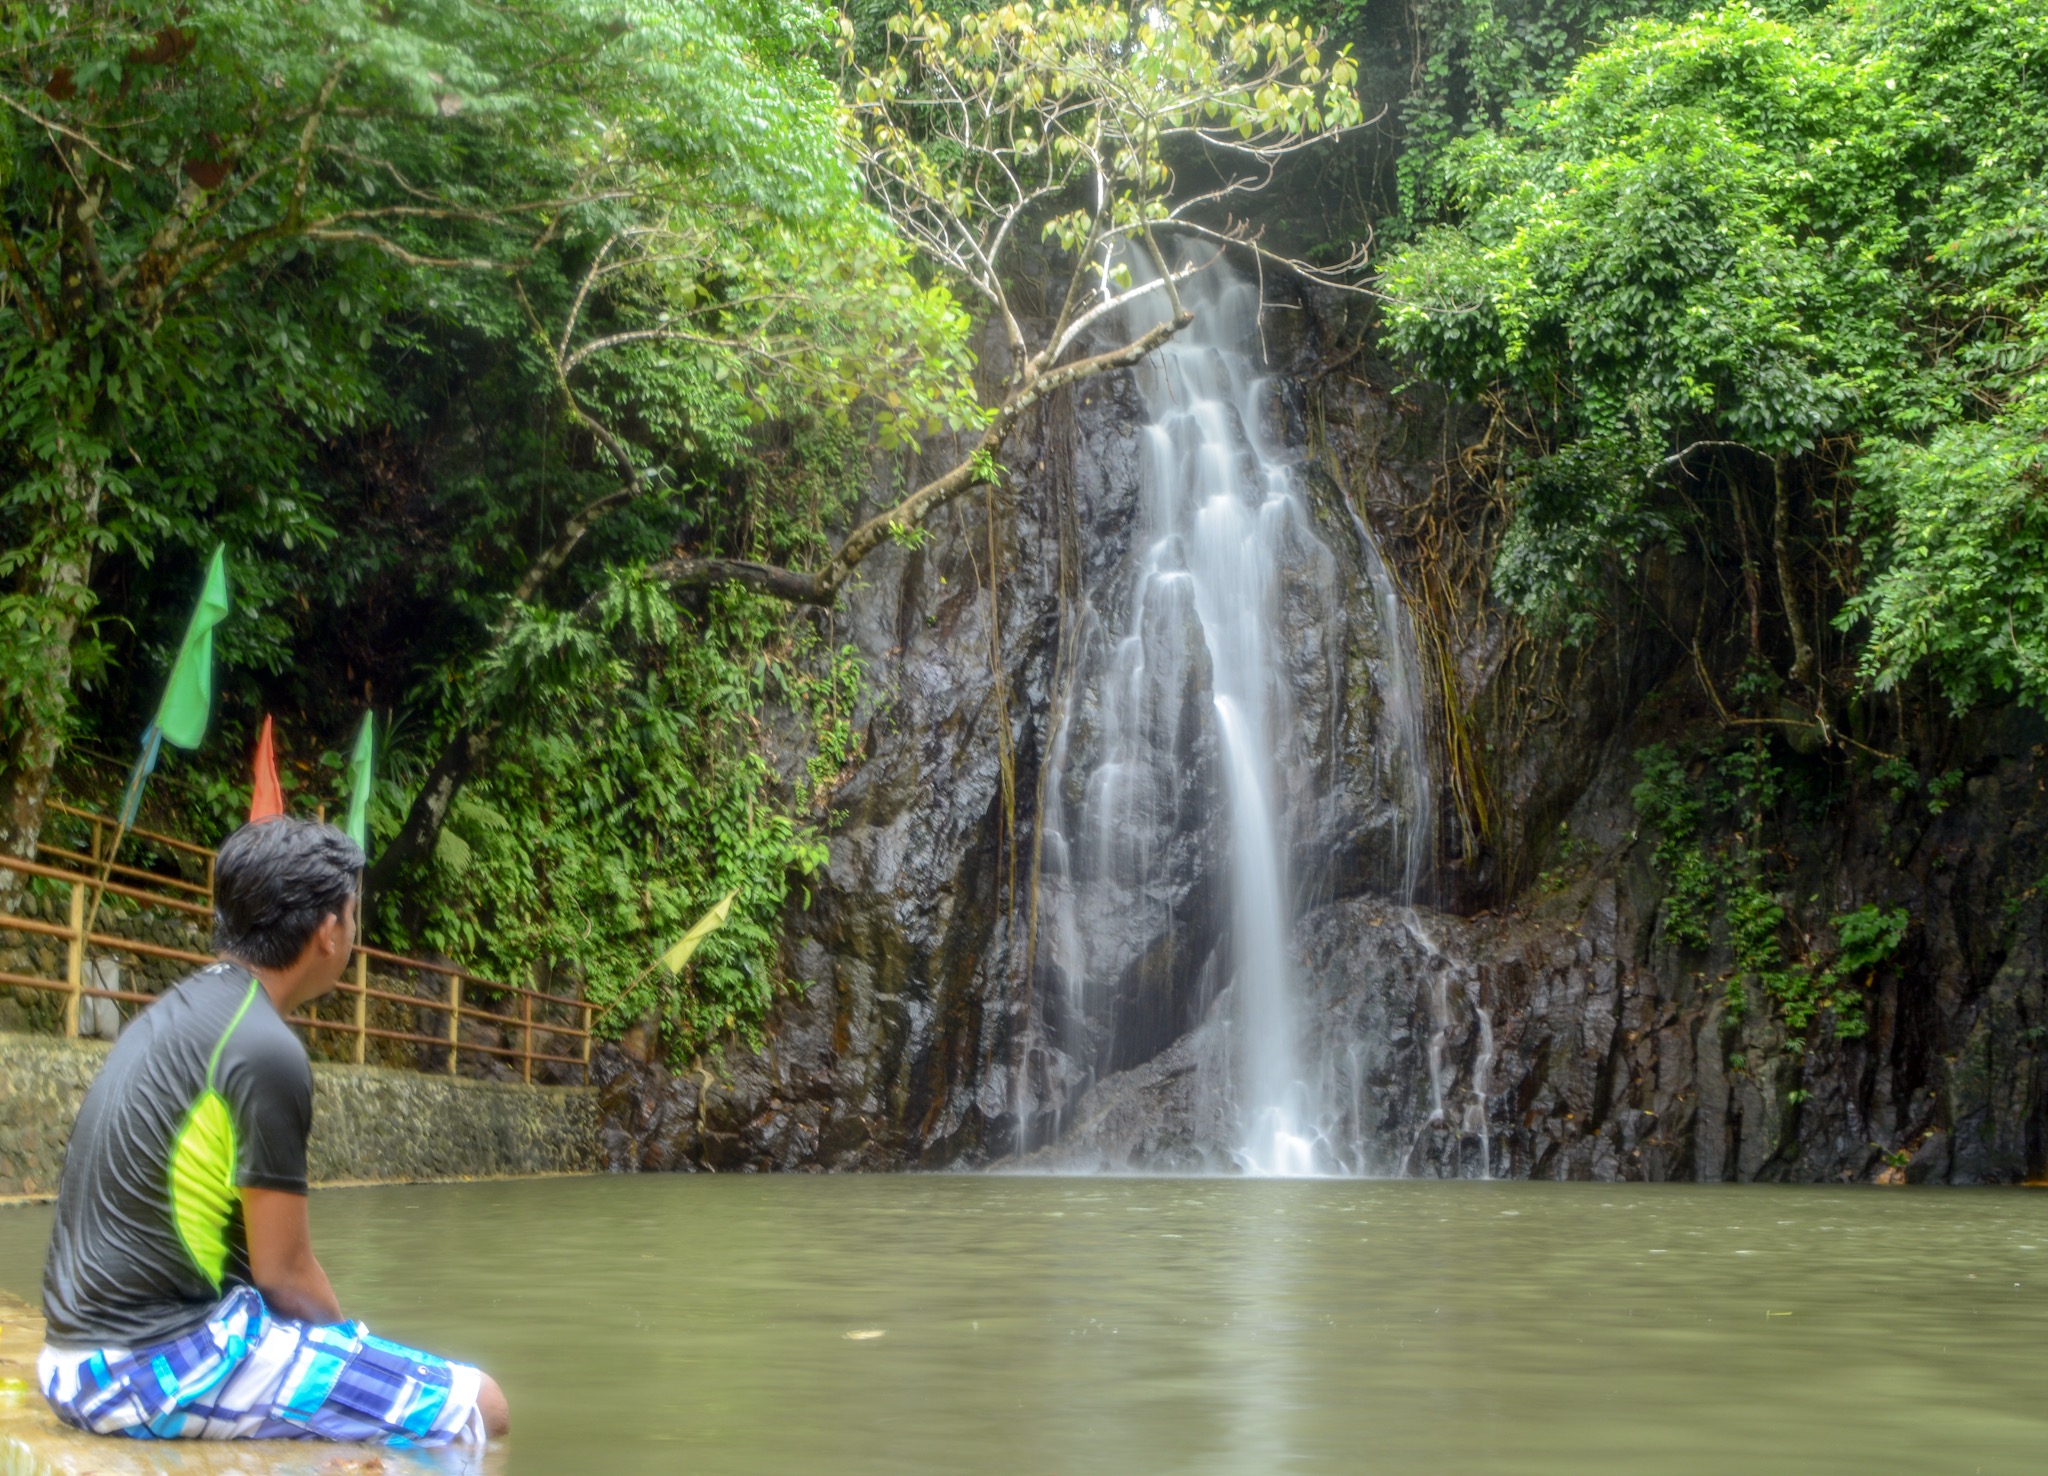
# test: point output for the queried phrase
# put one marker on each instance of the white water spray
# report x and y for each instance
(1191, 653)
(1221, 513)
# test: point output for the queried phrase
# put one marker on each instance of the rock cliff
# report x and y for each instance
(1524, 1012)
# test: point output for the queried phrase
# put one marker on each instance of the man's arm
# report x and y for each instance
(281, 1260)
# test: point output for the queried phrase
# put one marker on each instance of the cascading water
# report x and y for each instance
(1405, 757)
(1198, 749)
(1408, 767)
(1222, 517)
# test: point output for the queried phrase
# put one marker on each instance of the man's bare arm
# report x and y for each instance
(281, 1260)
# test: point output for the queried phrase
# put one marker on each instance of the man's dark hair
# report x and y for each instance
(275, 882)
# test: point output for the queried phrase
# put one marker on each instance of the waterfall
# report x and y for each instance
(1225, 506)
(1195, 648)
(1405, 759)
(1406, 768)
(1181, 769)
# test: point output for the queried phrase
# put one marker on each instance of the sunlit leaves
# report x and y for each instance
(965, 120)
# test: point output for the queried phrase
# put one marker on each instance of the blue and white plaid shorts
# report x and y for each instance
(247, 1374)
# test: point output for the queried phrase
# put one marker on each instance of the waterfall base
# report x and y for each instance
(1532, 1045)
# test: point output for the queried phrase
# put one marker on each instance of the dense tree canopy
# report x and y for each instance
(1746, 250)
(531, 361)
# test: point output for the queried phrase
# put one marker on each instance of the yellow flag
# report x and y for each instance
(709, 923)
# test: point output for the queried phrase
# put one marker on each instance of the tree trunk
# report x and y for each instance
(464, 755)
(62, 585)
(1788, 591)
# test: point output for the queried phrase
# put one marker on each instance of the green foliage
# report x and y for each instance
(1753, 233)
(1069, 83)
(1578, 526)
(1865, 938)
(1755, 920)
(643, 790)
(212, 213)
(1952, 504)
(1682, 239)
(1868, 936)
(319, 278)
(1665, 800)
(1066, 121)
(1733, 877)
(825, 686)
(1483, 62)
(1941, 790)
(1959, 528)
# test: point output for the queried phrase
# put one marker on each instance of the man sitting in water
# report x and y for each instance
(182, 1296)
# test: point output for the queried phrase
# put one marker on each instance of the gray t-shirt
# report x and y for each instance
(206, 1093)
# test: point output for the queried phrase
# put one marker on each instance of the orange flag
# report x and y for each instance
(266, 800)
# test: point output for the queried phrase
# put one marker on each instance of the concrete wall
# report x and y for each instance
(369, 1122)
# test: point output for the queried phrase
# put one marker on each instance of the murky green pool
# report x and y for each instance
(976, 1324)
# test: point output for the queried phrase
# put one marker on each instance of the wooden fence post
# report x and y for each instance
(526, 1035)
(74, 960)
(362, 1003)
(454, 1018)
(589, 1019)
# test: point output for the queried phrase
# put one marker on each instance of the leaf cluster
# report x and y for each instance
(1724, 884)
(1772, 232)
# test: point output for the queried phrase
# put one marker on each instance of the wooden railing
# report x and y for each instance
(458, 1001)
(102, 829)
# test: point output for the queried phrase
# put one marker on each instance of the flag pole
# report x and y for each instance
(131, 801)
(99, 886)
(361, 763)
(181, 713)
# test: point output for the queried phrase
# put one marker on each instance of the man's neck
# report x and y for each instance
(283, 986)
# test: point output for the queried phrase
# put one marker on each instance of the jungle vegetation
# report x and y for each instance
(551, 368)
(1758, 291)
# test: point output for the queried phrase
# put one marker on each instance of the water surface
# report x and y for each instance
(1124, 1326)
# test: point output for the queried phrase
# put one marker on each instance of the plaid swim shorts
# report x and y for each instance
(247, 1374)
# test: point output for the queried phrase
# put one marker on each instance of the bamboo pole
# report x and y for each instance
(99, 889)
(362, 1003)
(454, 1019)
(74, 960)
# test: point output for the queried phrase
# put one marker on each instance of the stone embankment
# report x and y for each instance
(370, 1123)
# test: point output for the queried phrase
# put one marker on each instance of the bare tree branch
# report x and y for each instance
(71, 133)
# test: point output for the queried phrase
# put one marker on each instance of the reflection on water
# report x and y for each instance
(1213, 1326)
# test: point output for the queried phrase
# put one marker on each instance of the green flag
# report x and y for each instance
(705, 926)
(188, 695)
(359, 788)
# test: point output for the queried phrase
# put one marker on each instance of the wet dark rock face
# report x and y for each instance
(933, 1022)
(901, 1049)
(1540, 1028)
(1614, 1057)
